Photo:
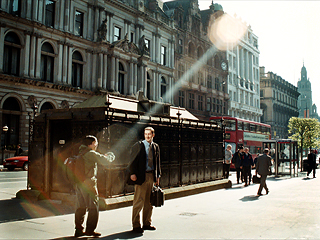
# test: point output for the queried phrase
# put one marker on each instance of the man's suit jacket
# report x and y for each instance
(263, 164)
(138, 165)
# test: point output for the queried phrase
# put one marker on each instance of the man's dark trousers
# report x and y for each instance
(263, 184)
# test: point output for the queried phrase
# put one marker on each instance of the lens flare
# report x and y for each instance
(226, 30)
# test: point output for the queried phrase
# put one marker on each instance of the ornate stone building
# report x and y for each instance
(243, 79)
(278, 102)
(57, 53)
(203, 90)
(306, 107)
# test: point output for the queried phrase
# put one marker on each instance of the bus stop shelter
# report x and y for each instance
(284, 153)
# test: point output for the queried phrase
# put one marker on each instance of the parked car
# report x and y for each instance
(20, 161)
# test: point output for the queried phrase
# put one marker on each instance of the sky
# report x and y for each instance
(288, 36)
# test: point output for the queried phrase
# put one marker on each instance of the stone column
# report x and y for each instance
(35, 10)
(105, 71)
(32, 56)
(61, 14)
(60, 62)
(2, 28)
(41, 6)
(67, 11)
(116, 69)
(26, 60)
(135, 78)
(64, 64)
(69, 64)
(131, 76)
(112, 80)
(38, 56)
(153, 52)
(100, 71)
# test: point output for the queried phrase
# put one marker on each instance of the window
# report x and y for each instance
(46, 105)
(163, 87)
(217, 84)
(117, 34)
(199, 53)
(78, 30)
(213, 104)
(181, 99)
(191, 50)
(15, 7)
(209, 82)
(148, 86)
(180, 46)
(148, 44)
(208, 104)
(200, 103)
(163, 55)
(11, 55)
(50, 6)
(47, 62)
(191, 100)
(180, 71)
(121, 79)
(132, 37)
(200, 81)
(77, 70)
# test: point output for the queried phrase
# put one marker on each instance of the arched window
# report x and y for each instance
(148, 86)
(199, 52)
(11, 55)
(163, 87)
(191, 49)
(11, 118)
(121, 79)
(46, 105)
(77, 69)
(47, 62)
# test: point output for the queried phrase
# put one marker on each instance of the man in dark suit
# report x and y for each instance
(145, 171)
(312, 163)
(262, 168)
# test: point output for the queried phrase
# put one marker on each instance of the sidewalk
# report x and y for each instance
(290, 211)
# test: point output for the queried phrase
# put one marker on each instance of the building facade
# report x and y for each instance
(57, 53)
(243, 78)
(279, 102)
(305, 105)
(198, 72)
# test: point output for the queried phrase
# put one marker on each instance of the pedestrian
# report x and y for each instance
(19, 150)
(87, 191)
(144, 173)
(312, 163)
(227, 161)
(262, 168)
(236, 160)
(246, 163)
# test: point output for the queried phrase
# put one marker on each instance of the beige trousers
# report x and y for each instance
(142, 200)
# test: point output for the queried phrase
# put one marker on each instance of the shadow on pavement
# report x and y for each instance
(249, 198)
(122, 235)
(16, 209)
(306, 178)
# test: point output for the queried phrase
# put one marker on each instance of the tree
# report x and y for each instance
(306, 131)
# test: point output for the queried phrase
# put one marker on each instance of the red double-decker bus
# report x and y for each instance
(241, 132)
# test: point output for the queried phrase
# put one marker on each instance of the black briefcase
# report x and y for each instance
(255, 179)
(157, 197)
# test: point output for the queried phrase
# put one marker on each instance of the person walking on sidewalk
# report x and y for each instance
(262, 168)
(144, 172)
(227, 161)
(87, 191)
(312, 163)
(236, 160)
(246, 163)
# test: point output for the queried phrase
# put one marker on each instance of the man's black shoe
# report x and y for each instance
(149, 228)
(78, 233)
(137, 230)
(93, 234)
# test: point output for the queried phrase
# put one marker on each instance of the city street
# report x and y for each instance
(290, 211)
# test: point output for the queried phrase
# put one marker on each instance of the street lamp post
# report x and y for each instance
(4, 130)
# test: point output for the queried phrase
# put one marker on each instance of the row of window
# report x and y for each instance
(212, 104)
(12, 47)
